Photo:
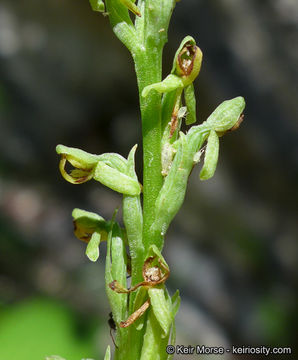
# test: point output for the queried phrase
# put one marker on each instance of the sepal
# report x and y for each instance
(211, 156)
(161, 308)
(190, 102)
(92, 250)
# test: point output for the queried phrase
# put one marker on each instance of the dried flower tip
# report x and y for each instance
(188, 60)
(154, 275)
(238, 123)
(134, 316)
(118, 288)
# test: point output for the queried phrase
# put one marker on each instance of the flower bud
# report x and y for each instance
(186, 67)
(227, 115)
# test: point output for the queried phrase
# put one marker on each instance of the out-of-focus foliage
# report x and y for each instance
(37, 328)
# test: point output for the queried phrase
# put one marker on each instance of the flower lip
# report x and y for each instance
(83, 163)
(78, 175)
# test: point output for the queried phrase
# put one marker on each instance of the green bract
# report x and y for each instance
(108, 353)
(97, 5)
(92, 250)
(211, 156)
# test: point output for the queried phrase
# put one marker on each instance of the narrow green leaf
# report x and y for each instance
(133, 221)
(119, 266)
(116, 180)
(211, 156)
(92, 250)
(161, 309)
(190, 101)
(108, 353)
(116, 264)
(152, 339)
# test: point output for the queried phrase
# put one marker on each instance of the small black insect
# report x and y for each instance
(112, 326)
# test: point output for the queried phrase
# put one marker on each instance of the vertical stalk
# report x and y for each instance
(152, 31)
(151, 129)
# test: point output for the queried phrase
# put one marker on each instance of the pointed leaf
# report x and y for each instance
(92, 250)
(108, 353)
(190, 101)
(161, 309)
(211, 156)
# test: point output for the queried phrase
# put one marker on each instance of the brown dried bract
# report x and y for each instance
(238, 123)
(134, 316)
(152, 275)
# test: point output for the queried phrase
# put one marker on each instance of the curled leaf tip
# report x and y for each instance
(130, 5)
(97, 5)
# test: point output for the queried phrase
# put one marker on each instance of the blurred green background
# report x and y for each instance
(232, 250)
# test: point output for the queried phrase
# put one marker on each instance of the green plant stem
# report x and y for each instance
(152, 31)
(148, 73)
